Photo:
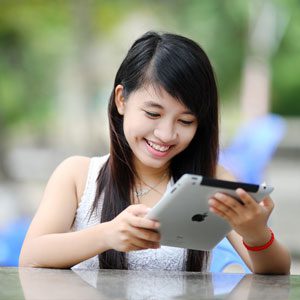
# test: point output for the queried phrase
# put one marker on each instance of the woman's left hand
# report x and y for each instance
(248, 218)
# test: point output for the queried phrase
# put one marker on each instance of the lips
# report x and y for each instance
(157, 147)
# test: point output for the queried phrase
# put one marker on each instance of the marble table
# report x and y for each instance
(29, 284)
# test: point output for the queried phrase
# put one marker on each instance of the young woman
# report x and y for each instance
(163, 116)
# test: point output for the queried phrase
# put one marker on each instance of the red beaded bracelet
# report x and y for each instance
(263, 247)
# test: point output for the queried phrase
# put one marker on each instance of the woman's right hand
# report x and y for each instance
(130, 230)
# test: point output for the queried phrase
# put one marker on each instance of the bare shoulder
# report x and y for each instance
(57, 209)
(224, 174)
(73, 165)
(77, 169)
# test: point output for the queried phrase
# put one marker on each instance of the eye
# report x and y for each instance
(152, 114)
(184, 122)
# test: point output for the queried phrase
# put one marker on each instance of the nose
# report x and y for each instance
(166, 132)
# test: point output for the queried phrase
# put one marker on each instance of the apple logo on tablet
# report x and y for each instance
(199, 217)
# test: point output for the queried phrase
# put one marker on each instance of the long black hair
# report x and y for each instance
(179, 66)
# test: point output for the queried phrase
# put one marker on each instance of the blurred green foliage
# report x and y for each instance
(32, 39)
(221, 29)
(286, 66)
(36, 36)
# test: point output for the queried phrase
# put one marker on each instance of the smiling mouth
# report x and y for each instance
(158, 147)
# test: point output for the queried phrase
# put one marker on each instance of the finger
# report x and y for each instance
(144, 244)
(220, 213)
(143, 223)
(229, 202)
(138, 209)
(144, 234)
(221, 206)
(245, 197)
(132, 238)
(134, 247)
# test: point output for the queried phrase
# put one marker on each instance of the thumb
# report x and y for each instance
(267, 203)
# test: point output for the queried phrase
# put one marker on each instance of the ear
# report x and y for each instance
(119, 99)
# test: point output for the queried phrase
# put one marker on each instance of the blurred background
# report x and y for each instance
(58, 60)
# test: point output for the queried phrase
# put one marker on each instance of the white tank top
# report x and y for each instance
(164, 258)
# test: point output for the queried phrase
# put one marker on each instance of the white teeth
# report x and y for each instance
(158, 148)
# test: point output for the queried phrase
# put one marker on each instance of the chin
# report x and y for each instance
(154, 162)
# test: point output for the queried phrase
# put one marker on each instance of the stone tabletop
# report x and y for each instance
(27, 283)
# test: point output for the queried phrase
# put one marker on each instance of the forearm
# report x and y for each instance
(274, 260)
(64, 250)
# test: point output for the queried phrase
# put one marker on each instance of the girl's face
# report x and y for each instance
(156, 126)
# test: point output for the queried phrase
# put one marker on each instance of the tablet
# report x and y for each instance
(184, 216)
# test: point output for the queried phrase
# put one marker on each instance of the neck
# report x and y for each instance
(150, 174)
(157, 186)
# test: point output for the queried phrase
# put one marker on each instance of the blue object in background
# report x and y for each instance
(11, 240)
(247, 158)
(253, 147)
(223, 286)
(224, 255)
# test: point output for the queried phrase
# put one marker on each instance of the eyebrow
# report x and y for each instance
(157, 105)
